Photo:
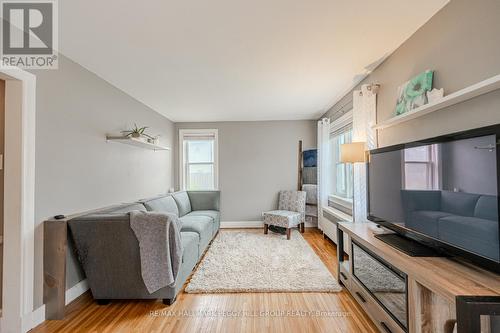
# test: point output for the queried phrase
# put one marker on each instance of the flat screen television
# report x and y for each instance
(441, 192)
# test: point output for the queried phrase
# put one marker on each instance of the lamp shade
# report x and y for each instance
(352, 152)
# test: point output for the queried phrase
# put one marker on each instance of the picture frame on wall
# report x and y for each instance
(413, 93)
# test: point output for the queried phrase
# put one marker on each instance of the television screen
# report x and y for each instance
(444, 190)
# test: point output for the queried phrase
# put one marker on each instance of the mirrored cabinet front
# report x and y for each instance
(385, 283)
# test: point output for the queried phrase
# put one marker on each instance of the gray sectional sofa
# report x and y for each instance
(466, 220)
(108, 249)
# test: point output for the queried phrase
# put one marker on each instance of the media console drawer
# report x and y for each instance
(344, 275)
(383, 321)
(383, 282)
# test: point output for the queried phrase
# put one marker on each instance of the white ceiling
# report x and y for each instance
(225, 60)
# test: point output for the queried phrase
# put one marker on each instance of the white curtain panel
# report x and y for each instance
(324, 163)
(364, 117)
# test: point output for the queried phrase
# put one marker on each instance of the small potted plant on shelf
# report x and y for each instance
(139, 133)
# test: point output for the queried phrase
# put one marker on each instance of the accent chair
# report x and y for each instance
(291, 212)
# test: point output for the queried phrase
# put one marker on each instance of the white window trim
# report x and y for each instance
(182, 134)
(339, 123)
(343, 217)
(344, 202)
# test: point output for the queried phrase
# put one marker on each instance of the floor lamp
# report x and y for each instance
(354, 152)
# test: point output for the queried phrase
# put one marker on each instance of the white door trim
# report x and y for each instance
(19, 214)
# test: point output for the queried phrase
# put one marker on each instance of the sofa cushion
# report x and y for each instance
(126, 208)
(281, 218)
(487, 208)
(458, 203)
(421, 200)
(202, 225)
(204, 200)
(190, 241)
(213, 214)
(183, 203)
(190, 245)
(477, 235)
(425, 221)
(164, 204)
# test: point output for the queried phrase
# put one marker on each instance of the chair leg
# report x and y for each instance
(169, 301)
(302, 227)
(288, 232)
(266, 227)
(103, 301)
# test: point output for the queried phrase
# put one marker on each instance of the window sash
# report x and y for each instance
(432, 171)
(186, 174)
(341, 191)
(428, 173)
(187, 153)
(190, 174)
(343, 172)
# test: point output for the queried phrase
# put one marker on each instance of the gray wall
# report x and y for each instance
(469, 169)
(76, 170)
(256, 160)
(461, 44)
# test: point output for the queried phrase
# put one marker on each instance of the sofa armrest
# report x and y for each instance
(108, 251)
(204, 200)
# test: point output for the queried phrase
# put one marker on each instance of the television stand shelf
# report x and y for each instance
(434, 285)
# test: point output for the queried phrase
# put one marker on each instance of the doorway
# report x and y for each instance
(2, 152)
(18, 175)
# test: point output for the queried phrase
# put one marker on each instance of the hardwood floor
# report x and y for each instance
(238, 312)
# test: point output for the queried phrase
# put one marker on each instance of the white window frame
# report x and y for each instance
(338, 124)
(434, 179)
(344, 202)
(182, 170)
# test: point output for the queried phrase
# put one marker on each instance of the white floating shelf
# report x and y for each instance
(470, 92)
(135, 142)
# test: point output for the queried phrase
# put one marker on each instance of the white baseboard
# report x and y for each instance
(241, 224)
(75, 291)
(38, 316)
(33, 319)
(310, 225)
(251, 224)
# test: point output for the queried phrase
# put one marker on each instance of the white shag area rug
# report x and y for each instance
(245, 261)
